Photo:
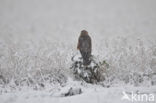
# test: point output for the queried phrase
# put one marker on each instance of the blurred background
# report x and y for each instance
(62, 20)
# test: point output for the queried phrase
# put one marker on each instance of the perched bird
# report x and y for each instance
(85, 46)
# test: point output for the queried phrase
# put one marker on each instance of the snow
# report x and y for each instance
(38, 39)
(90, 93)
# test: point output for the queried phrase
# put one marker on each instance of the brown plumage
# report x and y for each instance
(85, 47)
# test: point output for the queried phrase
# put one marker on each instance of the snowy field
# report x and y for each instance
(39, 37)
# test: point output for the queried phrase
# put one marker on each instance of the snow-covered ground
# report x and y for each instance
(39, 37)
(90, 93)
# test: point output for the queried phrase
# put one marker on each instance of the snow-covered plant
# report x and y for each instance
(90, 73)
